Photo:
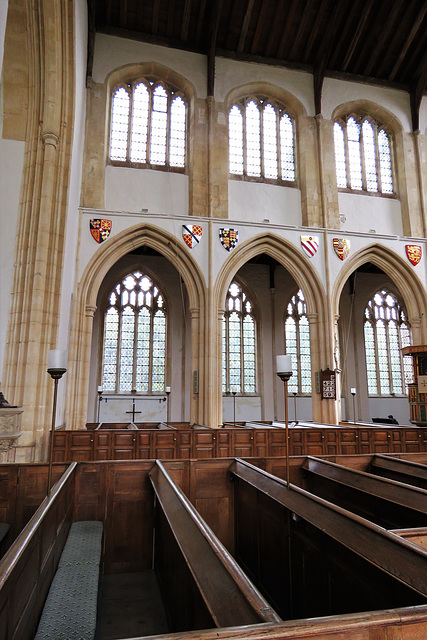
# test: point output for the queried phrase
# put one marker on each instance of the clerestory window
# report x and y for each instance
(134, 349)
(148, 126)
(238, 343)
(261, 141)
(386, 331)
(363, 155)
(297, 341)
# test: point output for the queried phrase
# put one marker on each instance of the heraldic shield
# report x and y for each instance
(414, 253)
(100, 229)
(342, 247)
(310, 245)
(229, 238)
(191, 234)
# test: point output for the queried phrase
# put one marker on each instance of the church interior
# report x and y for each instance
(213, 329)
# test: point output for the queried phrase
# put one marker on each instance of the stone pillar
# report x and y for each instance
(94, 160)
(198, 165)
(311, 204)
(217, 160)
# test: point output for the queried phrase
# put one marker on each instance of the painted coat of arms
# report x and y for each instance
(342, 247)
(100, 229)
(309, 245)
(191, 234)
(414, 253)
(229, 238)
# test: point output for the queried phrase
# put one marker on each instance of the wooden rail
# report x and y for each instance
(27, 568)
(402, 470)
(228, 594)
(409, 497)
(396, 557)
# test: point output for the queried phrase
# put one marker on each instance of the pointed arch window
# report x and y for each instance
(386, 331)
(238, 343)
(297, 341)
(148, 126)
(261, 141)
(363, 155)
(134, 348)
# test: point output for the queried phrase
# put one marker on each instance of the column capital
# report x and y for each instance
(51, 138)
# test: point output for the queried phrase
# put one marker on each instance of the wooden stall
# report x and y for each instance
(254, 440)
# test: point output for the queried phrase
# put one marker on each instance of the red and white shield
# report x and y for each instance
(309, 244)
(414, 253)
(191, 234)
(100, 229)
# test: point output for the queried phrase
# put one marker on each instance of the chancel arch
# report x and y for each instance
(122, 251)
(376, 285)
(267, 261)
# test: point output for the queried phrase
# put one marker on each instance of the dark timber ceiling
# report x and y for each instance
(378, 41)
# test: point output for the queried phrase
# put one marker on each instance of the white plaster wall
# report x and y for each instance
(72, 234)
(3, 19)
(112, 52)
(337, 92)
(370, 214)
(230, 74)
(258, 202)
(11, 167)
(138, 189)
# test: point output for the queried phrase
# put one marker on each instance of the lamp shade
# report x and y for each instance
(284, 364)
(57, 359)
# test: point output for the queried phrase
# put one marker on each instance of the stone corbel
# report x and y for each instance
(50, 138)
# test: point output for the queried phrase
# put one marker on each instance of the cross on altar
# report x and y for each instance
(133, 410)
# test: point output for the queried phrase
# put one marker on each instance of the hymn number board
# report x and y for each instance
(328, 385)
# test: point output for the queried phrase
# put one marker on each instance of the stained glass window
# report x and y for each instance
(238, 343)
(261, 140)
(148, 125)
(134, 352)
(297, 341)
(386, 331)
(363, 155)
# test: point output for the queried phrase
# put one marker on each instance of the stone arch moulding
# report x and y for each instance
(306, 277)
(295, 107)
(400, 273)
(368, 108)
(84, 308)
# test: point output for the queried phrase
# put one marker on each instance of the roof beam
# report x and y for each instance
(245, 25)
(404, 50)
(171, 18)
(155, 17)
(344, 37)
(301, 27)
(384, 34)
(91, 9)
(186, 20)
(314, 30)
(214, 23)
(417, 92)
(200, 20)
(286, 30)
(261, 24)
(123, 13)
(353, 44)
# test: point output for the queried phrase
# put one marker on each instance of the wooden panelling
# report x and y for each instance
(182, 444)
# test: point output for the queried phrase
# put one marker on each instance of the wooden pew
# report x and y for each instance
(407, 471)
(388, 503)
(310, 557)
(220, 592)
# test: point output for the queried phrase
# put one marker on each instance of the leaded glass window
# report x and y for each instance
(238, 343)
(134, 351)
(148, 125)
(297, 341)
(261, 141)
(363, 159)
(386, 331)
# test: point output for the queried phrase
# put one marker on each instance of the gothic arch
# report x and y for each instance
(307, 279)
(294, 106)
(85, 296)
(400, 273)
(368, 108)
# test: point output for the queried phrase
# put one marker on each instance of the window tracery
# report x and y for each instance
(363, 155)
(297, 341)
(261, 141)
(238, 343)
(148, 125)
(386, 331)
(134, 349)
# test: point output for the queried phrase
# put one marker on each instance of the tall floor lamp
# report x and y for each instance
(284, 371)
(56, 369)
